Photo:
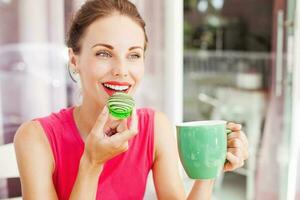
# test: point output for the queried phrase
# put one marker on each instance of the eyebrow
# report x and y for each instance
(111, 47)
(136, 47)
(105, 45)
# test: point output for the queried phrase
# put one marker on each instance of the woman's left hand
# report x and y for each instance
(237, 147)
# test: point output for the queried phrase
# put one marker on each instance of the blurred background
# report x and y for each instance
(207, 59)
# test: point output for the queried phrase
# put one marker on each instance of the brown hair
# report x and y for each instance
(92, 10)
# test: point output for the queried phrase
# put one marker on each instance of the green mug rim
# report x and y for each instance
(201, 123)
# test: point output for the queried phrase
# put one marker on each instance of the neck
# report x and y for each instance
(85, 116)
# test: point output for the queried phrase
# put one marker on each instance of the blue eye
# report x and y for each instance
(134, 56)
(103, 54)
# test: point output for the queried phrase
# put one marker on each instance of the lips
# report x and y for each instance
(113, 86)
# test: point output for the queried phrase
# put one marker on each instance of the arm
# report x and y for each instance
(202, 189)
(35, 162)
(86, 184)
(166, 176)
(36, 165)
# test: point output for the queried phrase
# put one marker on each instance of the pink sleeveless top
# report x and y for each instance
(123, 177)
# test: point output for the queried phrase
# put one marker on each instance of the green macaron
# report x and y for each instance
(120, 105)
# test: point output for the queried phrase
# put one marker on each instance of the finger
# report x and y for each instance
(235, 143)
(232, 135)
(122, 137)
(233, 162)
(236, 152)
(236, 158)
(134, 121)
(227, 166)
(236, 147)
(119, 146)
(122, 126)
(113, 122)
(100, 122)
(239, 134)
(234, 127)
(124, 147)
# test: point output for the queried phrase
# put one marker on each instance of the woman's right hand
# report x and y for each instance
(100, 148)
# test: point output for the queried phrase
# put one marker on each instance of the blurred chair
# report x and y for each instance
(233, 86)
(9, 167)
(247, 108)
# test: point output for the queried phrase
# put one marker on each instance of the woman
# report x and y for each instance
(83, 153)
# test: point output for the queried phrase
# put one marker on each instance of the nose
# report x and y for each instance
(120, 69)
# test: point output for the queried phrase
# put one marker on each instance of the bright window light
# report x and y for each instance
(202, 5)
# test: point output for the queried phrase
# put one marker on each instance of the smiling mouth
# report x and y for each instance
(112, 88)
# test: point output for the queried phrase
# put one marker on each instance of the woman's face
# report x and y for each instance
(111, 58)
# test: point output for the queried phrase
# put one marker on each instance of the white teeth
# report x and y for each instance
(116, 87)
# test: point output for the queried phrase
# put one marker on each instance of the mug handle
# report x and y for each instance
(228, 131)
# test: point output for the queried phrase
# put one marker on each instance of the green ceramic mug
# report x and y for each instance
(202, 147)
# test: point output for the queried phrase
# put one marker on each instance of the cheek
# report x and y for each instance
(98, 70)
(93, 74)
(138, 73)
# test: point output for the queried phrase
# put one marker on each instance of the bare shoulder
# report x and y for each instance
(30, 142)
(162, 121)
(163, 128)
(29, 133)
(164, 133)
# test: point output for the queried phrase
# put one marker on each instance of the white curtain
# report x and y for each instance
(150, 93)
(41, 23)
(32, 64)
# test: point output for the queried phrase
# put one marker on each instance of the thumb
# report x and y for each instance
(97, 129)
(134, 121)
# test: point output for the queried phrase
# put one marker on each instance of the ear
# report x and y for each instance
(73, 60)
